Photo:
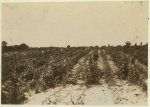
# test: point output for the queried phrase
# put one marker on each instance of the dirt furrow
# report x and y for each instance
(100, 62)
(98, 95)
(125, 92)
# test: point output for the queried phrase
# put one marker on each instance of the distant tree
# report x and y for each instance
(146, 45)
(68, 46)
(23, 46)
(127, 47)
(141, 44)
(128, 43)
(4, 44)
(91, 47)
(135, 44)
(96, 47)
(103, 47)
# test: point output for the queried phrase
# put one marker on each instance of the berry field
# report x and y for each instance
(75, 75)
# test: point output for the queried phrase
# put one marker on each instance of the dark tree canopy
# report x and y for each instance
(24, 46)
(68, 46)
(128, 43)
(4, 44)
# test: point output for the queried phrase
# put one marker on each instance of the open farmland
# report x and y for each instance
(75, 76)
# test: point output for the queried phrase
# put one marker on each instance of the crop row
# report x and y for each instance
(36, 69)
(129, 68)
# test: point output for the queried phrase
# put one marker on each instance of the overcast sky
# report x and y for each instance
(76, 23)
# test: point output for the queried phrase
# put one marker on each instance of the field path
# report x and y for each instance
(100, 62)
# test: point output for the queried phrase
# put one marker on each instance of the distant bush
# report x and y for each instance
(6, 48)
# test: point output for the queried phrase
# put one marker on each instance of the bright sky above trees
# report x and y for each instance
(75, 24)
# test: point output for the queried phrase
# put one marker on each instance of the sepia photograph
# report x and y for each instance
(74, 53)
